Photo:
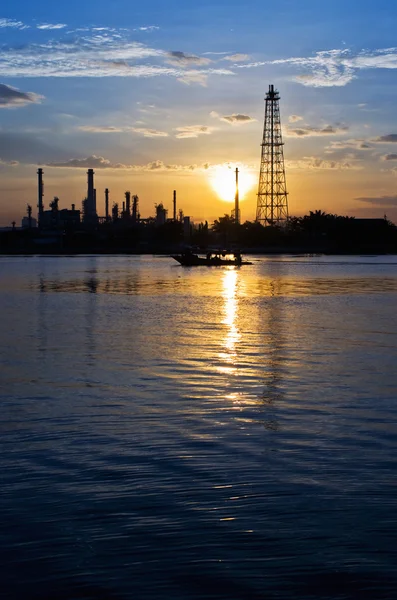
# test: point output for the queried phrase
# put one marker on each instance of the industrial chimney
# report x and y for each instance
(135, 215)
(174, 205)
(40, 205)
(90, 213)
(107, 204)
(128, 203)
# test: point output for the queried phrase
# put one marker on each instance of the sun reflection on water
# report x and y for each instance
(232, 333)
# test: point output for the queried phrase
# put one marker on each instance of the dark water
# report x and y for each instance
(171, 433)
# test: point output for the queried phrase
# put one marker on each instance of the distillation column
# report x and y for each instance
(40, 205)
(90, 214)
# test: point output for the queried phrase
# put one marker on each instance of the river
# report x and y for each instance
(173, 433)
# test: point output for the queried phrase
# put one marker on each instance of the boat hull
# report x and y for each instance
(197, 261)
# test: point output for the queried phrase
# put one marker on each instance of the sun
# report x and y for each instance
(223, 180)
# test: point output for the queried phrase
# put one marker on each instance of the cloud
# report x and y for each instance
(178, 58)
(12, 98)
(99, 162)
(380, 200)
(189, 77)
(306, 131)
(313, 163)
(148, 28)
(389, 157)
(113, 129)
(337, 67)
(193, 131)
(237, 119)
(354, 144)
(100, 129)
(12, 23)
(391, 138)
(159, 165)
(91, 162)
(294, 118)
(149, 132)
(8, 163)
(50, 26)
(237, 57)
(102, 53)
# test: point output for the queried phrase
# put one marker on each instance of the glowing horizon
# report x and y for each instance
(223, 181)
(114, 97)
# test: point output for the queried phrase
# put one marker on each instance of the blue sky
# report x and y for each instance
(157, 97)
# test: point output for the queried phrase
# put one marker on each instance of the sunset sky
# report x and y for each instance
(156, 96)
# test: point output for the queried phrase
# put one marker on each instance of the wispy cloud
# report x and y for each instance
(148, 28)
(51, 26)
(379, 200)
(313, 163)
(178, 58)
(8, 163)
(294, 118)
(237, 57)
(151, 133)
(390, 138)
(99, 162)
(91, 162)
(12, 98)
(307, 131)
(354, 144)
(104, 53)
(199, 77)
(101, 129)
(12, 23)
(146, 132)
(387, 157)
(336, 67)
(237, 119)
(193, 131)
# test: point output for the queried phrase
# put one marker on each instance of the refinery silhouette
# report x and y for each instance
(121, 228)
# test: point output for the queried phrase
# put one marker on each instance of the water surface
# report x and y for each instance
(198, 433)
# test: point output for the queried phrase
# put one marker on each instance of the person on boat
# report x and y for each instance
(237, 257)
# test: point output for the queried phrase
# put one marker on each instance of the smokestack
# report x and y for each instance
(174, 205)
(90, 188)
(90, 206)
(128, 203)
(135, 215)
(40, 193)
(107, 204)
(236, 202)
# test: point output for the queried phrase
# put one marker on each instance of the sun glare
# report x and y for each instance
(223, 181)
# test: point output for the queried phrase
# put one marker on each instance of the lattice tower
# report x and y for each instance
(272, 206)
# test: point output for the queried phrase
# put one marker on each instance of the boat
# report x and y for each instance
(211, 259)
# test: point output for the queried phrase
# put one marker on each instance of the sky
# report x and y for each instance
(170, 95)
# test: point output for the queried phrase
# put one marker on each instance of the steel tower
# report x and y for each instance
(272, 206)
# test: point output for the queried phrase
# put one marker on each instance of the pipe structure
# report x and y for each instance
(236, 202)
(40, 190)
(174, 205)
(107, 204)
(90, 213)
(128, 203)
(135, 214)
